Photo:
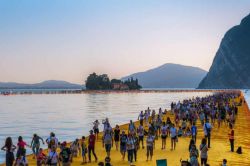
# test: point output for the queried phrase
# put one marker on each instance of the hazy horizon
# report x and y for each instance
(67, 40)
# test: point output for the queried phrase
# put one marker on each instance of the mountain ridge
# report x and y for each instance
(49, 84)
(231, 66)
(169, 75)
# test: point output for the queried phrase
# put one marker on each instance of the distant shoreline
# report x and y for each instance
(77, 91)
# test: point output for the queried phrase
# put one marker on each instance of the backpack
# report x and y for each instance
(208, 129)
(239, 150)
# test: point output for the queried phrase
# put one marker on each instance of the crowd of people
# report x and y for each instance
(152, 126)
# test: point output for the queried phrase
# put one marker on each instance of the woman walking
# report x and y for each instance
(117, 136)
(203, 149)
(231, 137)
(9, 148)
(164, 135)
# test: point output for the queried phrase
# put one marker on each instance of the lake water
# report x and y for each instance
(71, 115)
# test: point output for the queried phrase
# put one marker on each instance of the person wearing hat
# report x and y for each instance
(91, 145)
(207, 131)
(65, 155)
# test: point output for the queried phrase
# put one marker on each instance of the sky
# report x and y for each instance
(68, 40)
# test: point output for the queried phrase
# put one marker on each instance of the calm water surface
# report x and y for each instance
(71, 115)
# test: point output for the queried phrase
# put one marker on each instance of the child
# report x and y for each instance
(107, 161)
(41, 158)
(75, 148)
(224, 162)
(84, 150)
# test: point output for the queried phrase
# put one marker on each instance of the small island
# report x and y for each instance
(102, 82)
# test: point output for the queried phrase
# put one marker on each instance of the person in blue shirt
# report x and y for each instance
(194, 132)
(207, 131)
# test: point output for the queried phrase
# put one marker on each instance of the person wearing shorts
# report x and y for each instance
(123, 144)
(150, 146)
(173, 134)
(164, 135)
(140, 132)
(108, 141)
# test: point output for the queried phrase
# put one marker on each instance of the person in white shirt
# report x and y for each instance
(173, 134)
(150, 146)
(130, 148)
(141, 117)
(164, 129)
(140, 132)
(53, 158)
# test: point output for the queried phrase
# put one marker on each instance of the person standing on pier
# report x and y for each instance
(91, 146)
(141, 117)
(231, 137)
(9, 147)
(96, 128)
(207, 131)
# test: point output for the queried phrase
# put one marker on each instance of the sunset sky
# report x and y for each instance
(68, 39)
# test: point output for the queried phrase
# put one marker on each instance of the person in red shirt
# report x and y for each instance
(231, 137)
(41, 158)
(91, 146)
(21, 151)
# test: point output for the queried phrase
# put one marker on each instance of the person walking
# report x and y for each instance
(9, 148)
(207, 128)
(53, 157)
(203, 150)
(130, 148)
(194, 132)
(108, 141)
(163, 135)
(140, 132)
(231, 137)
(150, 146)
(173, 134)
(65, 155)
(123, 144)
(117, 136)
(91, 145)
(35, 144)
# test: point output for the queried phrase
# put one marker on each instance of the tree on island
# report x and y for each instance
(102, 82)
(132, 84)
(98, 82)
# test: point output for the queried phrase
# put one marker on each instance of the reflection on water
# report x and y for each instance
(71, 115)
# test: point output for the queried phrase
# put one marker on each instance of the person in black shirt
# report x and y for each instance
(117, 136)
(65, 155)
